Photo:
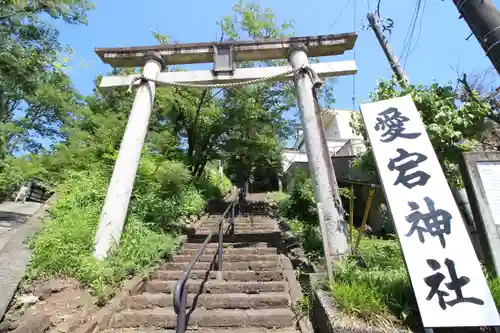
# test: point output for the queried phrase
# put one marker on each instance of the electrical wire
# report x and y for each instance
(340, 15)
(418, 36)
(411, 32)
(410, 29)
(419, 32)
(405, 42)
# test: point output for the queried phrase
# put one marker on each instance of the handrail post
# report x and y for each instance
(180, 293)
(219, 251)
(232, 219)
(181, 316)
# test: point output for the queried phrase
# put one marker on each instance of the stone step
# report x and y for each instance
(227, 276)
(227, 257)
(260, 231)
(240, 226)
(217, 287)
(227, 266)
(236, 238)
(234, 245)
(204, 330)
(254, 218)
(230, 250)
(211, 301)
(265, 216)
(240, 221)
(166, 318)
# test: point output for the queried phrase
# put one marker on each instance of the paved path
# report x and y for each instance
(16, 227)
(12, 216)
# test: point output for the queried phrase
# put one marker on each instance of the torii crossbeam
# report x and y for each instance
(155, 58)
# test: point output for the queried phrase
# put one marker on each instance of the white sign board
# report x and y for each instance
(489, 172)
(449, 285)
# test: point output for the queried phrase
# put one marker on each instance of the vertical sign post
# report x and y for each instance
(449, 286)
(481, 175)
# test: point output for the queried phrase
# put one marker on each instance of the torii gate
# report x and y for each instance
(155, 58)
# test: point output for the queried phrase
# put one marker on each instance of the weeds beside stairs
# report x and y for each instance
(254, 293)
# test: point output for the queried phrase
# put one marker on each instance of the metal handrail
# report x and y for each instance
(180, 293)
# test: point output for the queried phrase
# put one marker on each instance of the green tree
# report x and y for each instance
(235, 124)
(36, 96)
(254, 146)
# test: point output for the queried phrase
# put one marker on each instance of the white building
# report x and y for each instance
(340, 138)
(343, 145)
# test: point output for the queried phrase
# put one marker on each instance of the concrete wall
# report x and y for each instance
(290, 156)
(332, 129)
(341, 121)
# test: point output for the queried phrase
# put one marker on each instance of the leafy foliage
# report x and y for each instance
(35, 95)
(452, 125)
(161, 201)
(64, 246)
(300, 211)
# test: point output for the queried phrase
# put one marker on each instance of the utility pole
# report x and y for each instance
(483, 19)
(374, 21)
(324, 183)
(459, 194)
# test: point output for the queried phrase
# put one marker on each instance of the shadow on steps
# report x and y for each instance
(216, 206)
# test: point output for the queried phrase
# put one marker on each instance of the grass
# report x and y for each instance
(64, 246)
(381, 294)
(276, 198)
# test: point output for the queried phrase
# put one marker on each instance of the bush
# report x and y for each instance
(13, 172)
(64, 247)
(494, 284)
(299, 210)
(214, 184)
(278, 200)
(302, 202)
(165, 194)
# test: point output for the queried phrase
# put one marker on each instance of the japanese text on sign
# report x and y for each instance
(447, 279)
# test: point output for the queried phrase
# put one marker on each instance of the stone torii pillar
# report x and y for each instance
(122, 181)
(323, 178)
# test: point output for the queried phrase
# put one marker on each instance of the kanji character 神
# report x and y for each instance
(436, 222)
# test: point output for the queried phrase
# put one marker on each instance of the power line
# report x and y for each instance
(411, 32)
(338, 17)
(419, 32)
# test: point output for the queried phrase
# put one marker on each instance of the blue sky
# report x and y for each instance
(439, 48)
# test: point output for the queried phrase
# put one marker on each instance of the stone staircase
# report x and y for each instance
(252, 294)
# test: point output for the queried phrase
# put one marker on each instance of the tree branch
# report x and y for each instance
(191, 131)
